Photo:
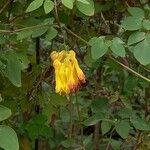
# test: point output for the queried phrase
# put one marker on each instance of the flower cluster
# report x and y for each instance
(68, 75)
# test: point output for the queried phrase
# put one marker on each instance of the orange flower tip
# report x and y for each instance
(82, 78)
(73, 87)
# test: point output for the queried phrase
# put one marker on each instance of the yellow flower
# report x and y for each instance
(68, 74)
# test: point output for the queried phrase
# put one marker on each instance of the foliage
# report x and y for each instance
(6, 132)
(111, 39)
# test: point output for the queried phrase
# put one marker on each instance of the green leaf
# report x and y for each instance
(99, 105)
(4, 113)
(126, 102)
(88, 58)
(86, 8)
(24, 34)
(49, 110)
(84, 1)
(8, 138)
(129, 85)
(39, 31)
(99, 7)
(58, 100)
(125, 113)
(13, 69)
(48, 6)
(2, 39)
(146, 24)
(68, 4)
(48, 21)
(116, 144)
(23, 59)
(132, 23)
(142, 52)
(87, 140)
(51, 34)
(117, 47)
(38, 130)
(34, 5)
(98, 47)
(39, 119)
(64, 114)
(123, 128)
(94, 119)
(140, 123)
(105, 126)
(15, 63)
(136, 37)
(33, 131)
(136, 11)
(37, 127)
(68, 143)
(45, 131)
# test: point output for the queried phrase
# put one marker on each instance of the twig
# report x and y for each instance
(96, 136)
(111, 134)
(26, 28)
(147, 97)
(5, 5)
(9, 11)
(58, 21)
(102, 16)
(115, 60)
(138, 141)
(145, 68)
(131, 70)
(145, 3)
(32, 92)
(75, 35)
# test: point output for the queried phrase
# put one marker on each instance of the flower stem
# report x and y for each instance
(80, 121)
(71, 116)
(59, 23)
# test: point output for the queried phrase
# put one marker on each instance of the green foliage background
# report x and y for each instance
(112, 41)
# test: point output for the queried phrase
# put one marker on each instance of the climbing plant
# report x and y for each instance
(108, 108)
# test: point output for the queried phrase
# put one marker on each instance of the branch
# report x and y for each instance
(131, 70)
(58, 21)
(5, 5)
(26, 28)
(33, 91)
(138, 140)
(111, 134)
(96, 136)
(115, 60)
(75, 35)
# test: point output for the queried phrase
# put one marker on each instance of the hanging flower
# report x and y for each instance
(68, 75)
